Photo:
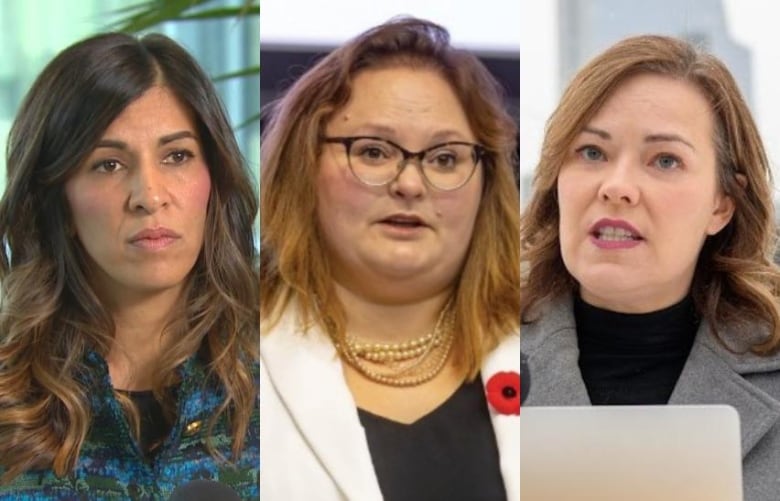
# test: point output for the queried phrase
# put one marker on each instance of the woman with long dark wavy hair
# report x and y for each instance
(129, 322)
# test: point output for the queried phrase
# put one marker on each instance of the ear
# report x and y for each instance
(722, 213)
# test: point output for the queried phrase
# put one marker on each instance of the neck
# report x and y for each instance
(138, 342)
(376, 321)
(634, 303)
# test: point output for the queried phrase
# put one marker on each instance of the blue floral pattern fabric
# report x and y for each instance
(112, 466)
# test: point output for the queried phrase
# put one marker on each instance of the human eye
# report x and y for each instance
(666, 161)
(107, 166)
(372, 151)
(443, 158)
(178, 157)
(590, 153)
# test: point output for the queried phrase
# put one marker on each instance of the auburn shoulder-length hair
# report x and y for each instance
(735, 278)
(50, 315)
(292, 258)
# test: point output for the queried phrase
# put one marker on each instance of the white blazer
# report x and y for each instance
(312, 445)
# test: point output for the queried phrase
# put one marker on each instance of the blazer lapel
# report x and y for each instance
(305, 370)
(506, 358)
(713, 375)
(550, 343)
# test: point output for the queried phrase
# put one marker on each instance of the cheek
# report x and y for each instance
(458, 209)
(686, 215)
(197, 190)
(89, 206)
(573, 189)
(340, 196)
(568, 200)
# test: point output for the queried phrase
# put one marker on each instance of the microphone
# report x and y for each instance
(525, 378)
(204, 490)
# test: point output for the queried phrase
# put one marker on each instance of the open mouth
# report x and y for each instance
(615, 234)
(403, 221)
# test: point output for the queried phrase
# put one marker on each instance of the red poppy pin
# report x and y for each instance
(503, 392)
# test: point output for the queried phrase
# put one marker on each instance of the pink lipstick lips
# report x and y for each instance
(614, 234)
(403, 226)
(403, 220)
(154, 238)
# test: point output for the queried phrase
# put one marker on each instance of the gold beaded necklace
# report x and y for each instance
(408, 363)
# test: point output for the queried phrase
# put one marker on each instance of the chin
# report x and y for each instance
(614, 283)
(614, 294)
(154, 284)
(410, 266)
(398, 273)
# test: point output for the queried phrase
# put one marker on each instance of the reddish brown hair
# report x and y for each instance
(735, 276)
(293, 265)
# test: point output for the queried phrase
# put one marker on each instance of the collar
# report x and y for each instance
(305, 369)
(199, 396)
(713, 373)
(506, 358)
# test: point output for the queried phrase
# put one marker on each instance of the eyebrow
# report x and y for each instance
(660, 138)
(386, 131)
(168, 138)
(650, 138)
(600, 133)
(176, 136)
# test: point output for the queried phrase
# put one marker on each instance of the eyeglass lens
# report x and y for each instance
(446, 166)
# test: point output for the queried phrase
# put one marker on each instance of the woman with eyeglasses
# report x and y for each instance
(389, 277)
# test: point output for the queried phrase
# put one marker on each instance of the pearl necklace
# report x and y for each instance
(408, 363)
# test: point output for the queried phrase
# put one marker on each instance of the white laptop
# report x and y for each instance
(630, 453)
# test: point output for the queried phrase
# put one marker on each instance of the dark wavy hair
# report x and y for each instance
(292, 261)
(50, 315)
(735, 278)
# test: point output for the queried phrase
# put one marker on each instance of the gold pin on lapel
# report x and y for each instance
(192, 428)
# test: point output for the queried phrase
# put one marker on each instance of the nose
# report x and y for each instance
(620, 185)
(409, 183)
(148, 191)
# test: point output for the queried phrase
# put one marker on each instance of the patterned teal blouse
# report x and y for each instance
(112, 465)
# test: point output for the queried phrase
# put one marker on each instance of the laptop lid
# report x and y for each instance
(636, 453)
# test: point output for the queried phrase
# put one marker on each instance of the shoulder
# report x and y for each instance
(506, 354)
(733, 344)
(550, 321)
(293, 338)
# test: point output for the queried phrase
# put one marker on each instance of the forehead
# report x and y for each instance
(401, 98)
(655, 103)
(155, 111)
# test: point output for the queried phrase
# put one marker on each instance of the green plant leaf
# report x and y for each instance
(250, 71)
(141, 16)
(221, 13)
(252, 119)
(145, 15)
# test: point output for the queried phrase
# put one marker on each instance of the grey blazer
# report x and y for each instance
(712, 375)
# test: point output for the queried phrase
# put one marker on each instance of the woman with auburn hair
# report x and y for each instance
(647, 247)
(389, 277)
(129, 322)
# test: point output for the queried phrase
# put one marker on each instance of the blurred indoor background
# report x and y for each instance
(32, 32)
(557, 37)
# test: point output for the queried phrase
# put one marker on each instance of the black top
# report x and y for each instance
(449, 454)
(154, 427)
(633, 359)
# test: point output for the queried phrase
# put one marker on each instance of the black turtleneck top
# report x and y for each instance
(633, 359)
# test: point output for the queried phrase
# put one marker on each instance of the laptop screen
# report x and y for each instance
(637, 453)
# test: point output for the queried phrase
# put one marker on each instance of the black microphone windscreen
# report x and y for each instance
(204, 490)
